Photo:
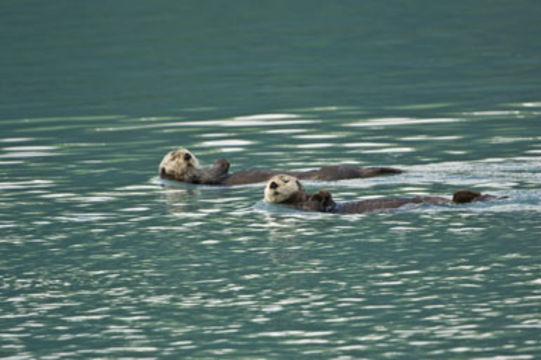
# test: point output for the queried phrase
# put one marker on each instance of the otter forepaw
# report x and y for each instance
(222, 164)
(465, 196)
(324, 198)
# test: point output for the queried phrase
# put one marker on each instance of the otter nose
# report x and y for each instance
(187, 157)
(273, 185)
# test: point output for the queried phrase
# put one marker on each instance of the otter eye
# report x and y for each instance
(286, 181)
(273, 185)
(187, 157)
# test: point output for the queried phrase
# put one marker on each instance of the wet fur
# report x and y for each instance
(173, 167)
(322, 201)
(327, 173)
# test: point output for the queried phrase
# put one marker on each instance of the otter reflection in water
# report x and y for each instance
(287, 189)
(182, 165)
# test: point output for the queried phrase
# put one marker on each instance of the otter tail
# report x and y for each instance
(467, 196)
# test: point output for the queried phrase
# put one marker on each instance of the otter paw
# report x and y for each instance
(221, 164)
(324, 198)
(465, 196)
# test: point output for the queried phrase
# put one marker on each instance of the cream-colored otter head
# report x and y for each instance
(281, 188)
(178, 164)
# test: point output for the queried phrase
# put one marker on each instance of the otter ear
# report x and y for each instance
(299, 185)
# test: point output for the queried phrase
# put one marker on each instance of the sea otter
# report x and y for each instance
(287, 189)
(182, 165)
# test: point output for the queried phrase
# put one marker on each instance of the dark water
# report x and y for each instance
(101, 259)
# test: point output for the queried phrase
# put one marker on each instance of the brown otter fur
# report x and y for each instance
(182, 165)
(286, 189)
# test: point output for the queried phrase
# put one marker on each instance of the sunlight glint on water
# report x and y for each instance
(103, 259)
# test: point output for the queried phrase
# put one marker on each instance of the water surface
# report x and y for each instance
(102, 259)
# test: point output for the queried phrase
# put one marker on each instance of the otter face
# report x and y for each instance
(281, 188)
(178, 164)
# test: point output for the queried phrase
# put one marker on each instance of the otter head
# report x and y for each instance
(282, 189)
(178, 165)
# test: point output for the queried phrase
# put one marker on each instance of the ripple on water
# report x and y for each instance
(390, 150)
(399, 121)
(27, 154)
(84, 217)
(317, 136)
(16, 140)
(430, 138)
(530, 104)
(29, 184)
(285, 131)
(217, 135)
(226, 143)
(161, 268)
(260, 120)
(366, 144)
(312, 146)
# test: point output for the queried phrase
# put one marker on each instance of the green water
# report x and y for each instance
(102, 259)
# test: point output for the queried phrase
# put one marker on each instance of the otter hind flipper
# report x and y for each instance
(467, 196)
(386, 171)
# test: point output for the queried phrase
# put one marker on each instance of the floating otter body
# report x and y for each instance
(286, 189)
(182, 165)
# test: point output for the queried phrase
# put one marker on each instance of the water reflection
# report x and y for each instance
(26, 184)
(242, 121)
(389, 150)
(14, 140)
(230, 145)
(400, 121)
(159, 268)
